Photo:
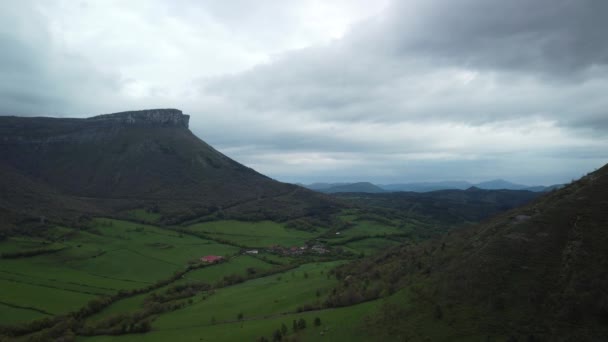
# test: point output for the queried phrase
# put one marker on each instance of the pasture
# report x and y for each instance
(109, 255)
(253, 234)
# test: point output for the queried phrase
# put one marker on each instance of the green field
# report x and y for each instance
(253, 234)
(237, 265)
(342, 324)
(242, 303)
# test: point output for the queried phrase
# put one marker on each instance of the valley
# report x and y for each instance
(113, 276)
(158, 236)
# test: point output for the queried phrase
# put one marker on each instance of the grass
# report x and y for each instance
(261, 297)
(266, 303)
(143, 215)
(109, 256)
(11, 315)
(253, 234)
(42, 298)
(112, 255)
(343, 324)
(21, 244)
(237, 265)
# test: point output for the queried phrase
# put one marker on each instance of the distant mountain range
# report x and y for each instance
(496, 184)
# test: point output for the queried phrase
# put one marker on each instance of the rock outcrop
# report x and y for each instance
(45, 130)
(148, 117)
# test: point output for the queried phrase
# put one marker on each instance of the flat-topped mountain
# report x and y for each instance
(151, 117)
(136, 158)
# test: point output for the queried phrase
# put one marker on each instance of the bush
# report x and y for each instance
(317, 321)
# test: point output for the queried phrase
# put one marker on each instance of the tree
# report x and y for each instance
(438, 312)
(317, 321)
(295, 326)
(239, 316)
(277, 336)
(301, 323)
(283, 329)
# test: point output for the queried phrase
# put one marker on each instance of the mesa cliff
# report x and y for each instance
(149, 158)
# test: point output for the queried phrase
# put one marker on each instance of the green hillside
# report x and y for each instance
(537, 273)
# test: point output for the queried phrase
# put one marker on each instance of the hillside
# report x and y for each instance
(427, 186)
(142, 159)
(354, 187)
(445, 207)
(537, 273)
(497, 184)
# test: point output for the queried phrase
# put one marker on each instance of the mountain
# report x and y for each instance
(445, 207)
(322, 186)
(427, 186)
(500, 184)
(354, 187)
(497, 184)
(536, 273)
(139, 159)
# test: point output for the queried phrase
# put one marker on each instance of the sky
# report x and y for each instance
(333, 91)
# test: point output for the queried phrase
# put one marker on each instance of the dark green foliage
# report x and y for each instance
(447, 207)
(317, 321)
(31, 253)
(301, 324)
(438, 314)
(277, 336)
(537, 272)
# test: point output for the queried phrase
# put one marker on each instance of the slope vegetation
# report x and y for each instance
(537, 273)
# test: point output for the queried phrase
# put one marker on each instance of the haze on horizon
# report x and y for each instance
(340, 91)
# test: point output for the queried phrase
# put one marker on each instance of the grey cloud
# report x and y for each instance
(428, 90)
(40, 79)
(551, 36)
(524, 59)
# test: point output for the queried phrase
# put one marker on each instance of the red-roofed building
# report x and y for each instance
(212, 258)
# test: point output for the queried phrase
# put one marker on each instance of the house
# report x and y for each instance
(252, 251)
(212, 259)
(319, 249)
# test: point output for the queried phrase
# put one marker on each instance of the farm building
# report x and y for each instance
(252, 251)
(212, 258)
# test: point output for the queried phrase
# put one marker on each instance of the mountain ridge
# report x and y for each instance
(113, 162)
(496, 184)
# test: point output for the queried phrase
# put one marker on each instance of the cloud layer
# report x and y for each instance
(304, 91)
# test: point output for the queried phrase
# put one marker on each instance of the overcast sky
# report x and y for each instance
(342, 90)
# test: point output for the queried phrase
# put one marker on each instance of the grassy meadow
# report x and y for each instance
(151, 276)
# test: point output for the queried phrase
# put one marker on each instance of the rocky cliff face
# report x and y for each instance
(149, 117)
(43, 130)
